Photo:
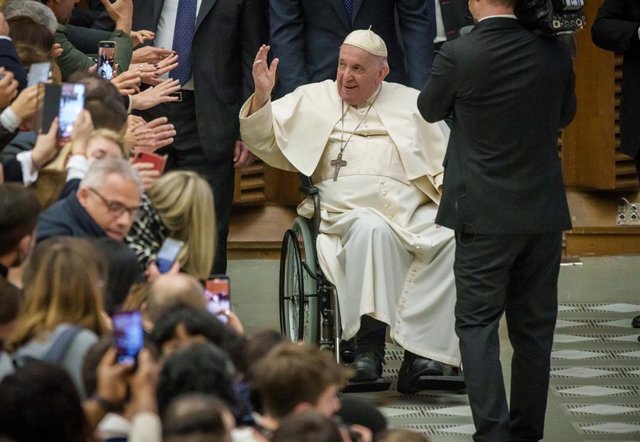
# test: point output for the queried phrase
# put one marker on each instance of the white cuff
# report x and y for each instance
(145, 427)
(77, 167)
(29, 172)
(9, 119)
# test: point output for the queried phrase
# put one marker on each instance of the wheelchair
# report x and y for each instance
(308, 302)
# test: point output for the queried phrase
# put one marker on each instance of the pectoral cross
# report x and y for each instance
(337, 164)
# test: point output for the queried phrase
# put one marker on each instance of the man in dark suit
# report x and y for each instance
(617, 28)
(509, 91)
(306, 36)
(216, 79)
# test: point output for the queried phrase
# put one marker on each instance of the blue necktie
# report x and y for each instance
(182, 38)
(348, 6)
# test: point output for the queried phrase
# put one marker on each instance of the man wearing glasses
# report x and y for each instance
(105, 204)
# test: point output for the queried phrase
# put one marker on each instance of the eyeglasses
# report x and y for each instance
(114, 207)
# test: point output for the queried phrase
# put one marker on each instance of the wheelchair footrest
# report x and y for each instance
(441, 383)
(380, 384)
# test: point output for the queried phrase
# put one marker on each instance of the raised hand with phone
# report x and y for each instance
(25, 105)
(128, 336)
(8, 87)
(218, 296)
(107, 59)
(168, 254)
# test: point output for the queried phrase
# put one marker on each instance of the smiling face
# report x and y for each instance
(359, 74)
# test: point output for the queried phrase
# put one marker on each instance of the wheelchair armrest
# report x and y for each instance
(311, 191)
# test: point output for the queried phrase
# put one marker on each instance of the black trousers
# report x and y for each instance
(516, 275)
(186, 153)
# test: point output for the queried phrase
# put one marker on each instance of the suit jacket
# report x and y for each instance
(306, 36)
(616, 29)
(227, 37)
(510, 92)
(10, 61)
(67, 217)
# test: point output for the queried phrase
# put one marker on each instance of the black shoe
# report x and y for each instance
(636, 322)
(414, 366)
(368, 366)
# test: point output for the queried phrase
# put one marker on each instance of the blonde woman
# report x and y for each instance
(179, 205)
(62, 289)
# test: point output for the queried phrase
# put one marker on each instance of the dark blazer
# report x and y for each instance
(67, 217)
(616, 29)
(510, 92)
(306, 36)
(227, 37)
(10, 61)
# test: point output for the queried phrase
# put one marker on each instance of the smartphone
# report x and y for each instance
(159, 161)
(128, 336)
(39, 73)
(168, 254)
(217, 290)
(107, 59)
(71, 104)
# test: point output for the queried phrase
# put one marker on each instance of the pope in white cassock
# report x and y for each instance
(378, 167)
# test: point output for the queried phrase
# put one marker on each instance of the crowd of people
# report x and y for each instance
(419, 178)
(82, 221)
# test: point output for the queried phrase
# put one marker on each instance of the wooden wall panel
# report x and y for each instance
(591, 156)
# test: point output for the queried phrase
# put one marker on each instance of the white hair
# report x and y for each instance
(100, 169)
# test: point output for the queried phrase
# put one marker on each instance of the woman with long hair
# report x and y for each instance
(63, 289)
(179, 205)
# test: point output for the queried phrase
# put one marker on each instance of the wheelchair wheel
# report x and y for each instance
(299, 315)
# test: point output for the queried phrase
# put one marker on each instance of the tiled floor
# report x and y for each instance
(595, 382)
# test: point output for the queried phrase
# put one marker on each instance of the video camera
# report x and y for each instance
(551, 17)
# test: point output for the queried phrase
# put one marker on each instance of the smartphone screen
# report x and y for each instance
(128, 336)
(168, 253)
(71, 104)
(218, 294)
(39, 73)
(107, 59)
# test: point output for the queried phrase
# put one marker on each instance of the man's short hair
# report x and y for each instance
(308, 426)
(173, 289)
(506, 3)
(37, 11)
(195, 417)
(100, 169)
(199, 322)
(18, 215)
(292, 374)
(198, 368)
(102, 100)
